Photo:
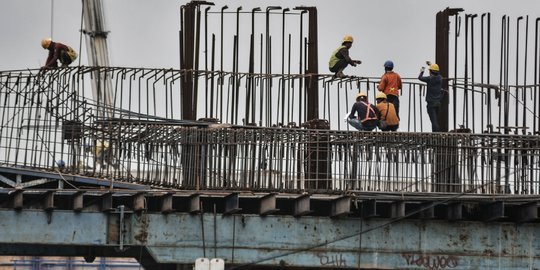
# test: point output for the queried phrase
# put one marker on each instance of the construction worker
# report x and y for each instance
(391, 84)
(434, 94)
(367, 114)
(340, 58)
(388, 119)
(58, 52)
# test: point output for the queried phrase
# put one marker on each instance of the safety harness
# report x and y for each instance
(368, 110)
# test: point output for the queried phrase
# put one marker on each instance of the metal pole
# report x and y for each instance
(221, 78)
(283, 67)
(525, 74)
(251, 82)
(473, 126)
(517, 73)
(268, 66)
(206, 62)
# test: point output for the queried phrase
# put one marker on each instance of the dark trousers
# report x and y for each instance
(391, 128)
(64, 58)
(340, 65)
(433, 112)
(394, 100)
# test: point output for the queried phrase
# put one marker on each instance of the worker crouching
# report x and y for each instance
(388, 118)
(366, 114)
(58, 52)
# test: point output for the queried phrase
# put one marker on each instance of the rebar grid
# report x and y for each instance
(47, 123)
(139, 93)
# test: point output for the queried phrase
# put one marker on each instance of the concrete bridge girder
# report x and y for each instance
(253, 240)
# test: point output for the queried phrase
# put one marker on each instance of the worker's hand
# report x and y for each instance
(422, 69)
(358, 62)
(353, 64)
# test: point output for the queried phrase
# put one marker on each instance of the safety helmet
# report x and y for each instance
(389, 64)
(45, 43)
(434, 67)
(361, 94)
(348, 38)
(380, 95)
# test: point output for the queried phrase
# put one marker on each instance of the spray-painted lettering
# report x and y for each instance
(337, 260)
(431, 262)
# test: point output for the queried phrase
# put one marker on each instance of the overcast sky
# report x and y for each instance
(144, 33)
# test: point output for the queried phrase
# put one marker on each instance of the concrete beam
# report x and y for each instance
(322, 242)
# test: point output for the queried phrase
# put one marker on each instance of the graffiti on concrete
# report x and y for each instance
(431, 262)
(337, 260)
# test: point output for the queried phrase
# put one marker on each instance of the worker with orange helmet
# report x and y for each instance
(434, 94)
(58, 52)
(389, 121)
(367, 115)
(391, 84)
(340, 58)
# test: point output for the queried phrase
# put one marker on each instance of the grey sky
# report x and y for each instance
(145, 33)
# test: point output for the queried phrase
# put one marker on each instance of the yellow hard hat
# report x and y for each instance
(361, 94)
(380, 95)
(45, 43)
(347, 38)
(434, 67)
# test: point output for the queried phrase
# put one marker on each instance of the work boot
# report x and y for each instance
(340, 74)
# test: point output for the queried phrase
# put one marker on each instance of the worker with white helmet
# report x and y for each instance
(434, 94)
(389, 121)
(367, 115)
(58, 52)
(340, 58)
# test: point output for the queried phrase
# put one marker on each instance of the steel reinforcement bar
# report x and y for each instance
(48, 122)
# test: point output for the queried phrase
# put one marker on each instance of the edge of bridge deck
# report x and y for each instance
(72, 178)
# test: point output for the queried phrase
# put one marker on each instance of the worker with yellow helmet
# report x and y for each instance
(58, 52)
(389, 120)
(434, 93)
(340, 58)
(367, 115)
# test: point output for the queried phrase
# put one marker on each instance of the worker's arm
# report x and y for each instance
(382, 84)
(345, 53)
(422, 77)
(353, 109)
(378, 112)
(52, 58)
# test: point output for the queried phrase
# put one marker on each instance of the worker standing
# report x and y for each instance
(366, 118)
(434, 94)
(391, 85)
(340, 58)
(58, 52)
(389, 120)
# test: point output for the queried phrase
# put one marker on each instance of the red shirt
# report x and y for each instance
(390, 83)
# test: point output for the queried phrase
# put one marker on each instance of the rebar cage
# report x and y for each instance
(47, 123)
